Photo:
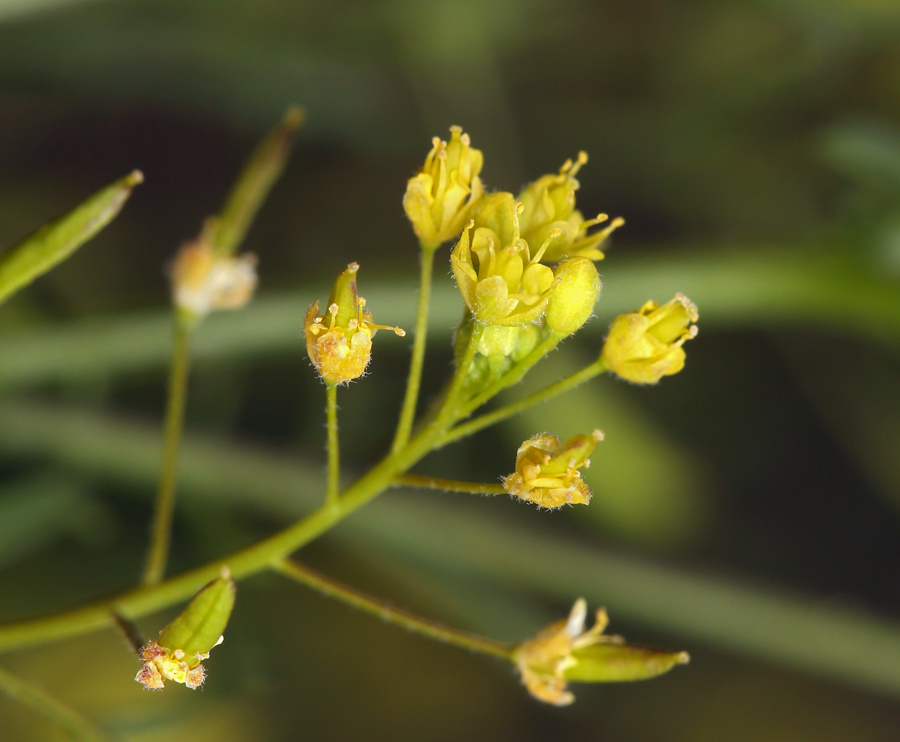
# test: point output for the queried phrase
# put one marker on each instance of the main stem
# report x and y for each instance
(161, 532)
(334, 463)
(368, 604)
(146, 599)
(411, 398)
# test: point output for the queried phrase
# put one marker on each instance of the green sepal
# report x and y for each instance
(54, 242)
(198, 628)
(616, 663)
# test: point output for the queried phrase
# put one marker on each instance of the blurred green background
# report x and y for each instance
(746, 510)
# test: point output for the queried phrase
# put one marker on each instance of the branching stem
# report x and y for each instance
(542, 395)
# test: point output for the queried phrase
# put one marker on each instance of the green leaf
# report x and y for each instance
(54, 242)
(198, 628)
(615, 663)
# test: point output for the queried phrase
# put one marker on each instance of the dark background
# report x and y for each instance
(745, 510)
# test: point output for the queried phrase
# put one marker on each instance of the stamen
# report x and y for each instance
(554, 233)
(599, 219)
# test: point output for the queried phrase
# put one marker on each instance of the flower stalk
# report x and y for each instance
(388, 613)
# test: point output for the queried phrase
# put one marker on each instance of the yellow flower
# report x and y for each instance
(550, 206)
(203, 281)
(644, 346)
(501, 285)
(340, 345)
(547, 471)
(542, 660)
(565, 652)
(439, 199)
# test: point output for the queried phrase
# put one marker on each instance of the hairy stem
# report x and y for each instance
(334, 451)
(449, 485)
(410, 400)
(388, 613)
(160, 535)
(77, 726)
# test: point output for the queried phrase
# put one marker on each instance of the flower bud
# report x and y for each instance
(340, 345)
(644, 346)
(573, 298)
(564, 652)
(550, 207)
(439, 199)
(547, 471)
(187, 641)
(204, 281)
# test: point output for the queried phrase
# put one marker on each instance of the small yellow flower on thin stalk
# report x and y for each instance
(501, 283)
(204, 281)
(646, 345)
(564, 652)
(550, 208)
(440, 197)
(340, 343)
(547, 472)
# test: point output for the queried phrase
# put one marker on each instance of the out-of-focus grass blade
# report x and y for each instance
(78, 727)
(867, 151)
(846, 645)
(17, 8)
(35, 512)
(758, 287)
(227, 231)
(54, 242)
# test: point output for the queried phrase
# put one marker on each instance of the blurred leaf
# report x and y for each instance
(72, 722)
(749, 287)
(36, 511)
(867, 151)
(54, 242)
